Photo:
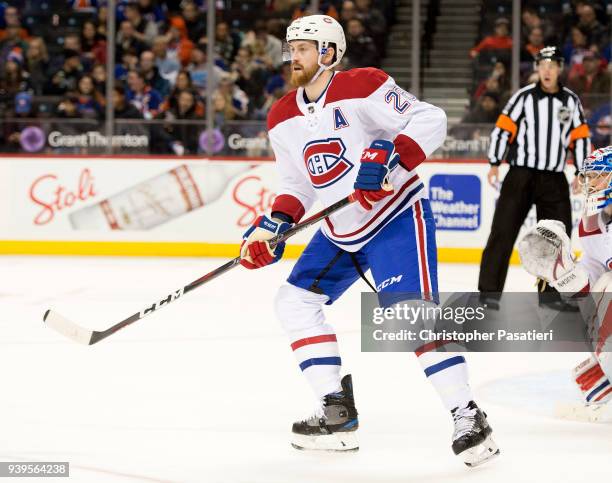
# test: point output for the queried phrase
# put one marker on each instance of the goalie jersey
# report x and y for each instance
(318, 148)
(596, 240)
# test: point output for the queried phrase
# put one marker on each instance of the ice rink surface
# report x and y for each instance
(206, 389)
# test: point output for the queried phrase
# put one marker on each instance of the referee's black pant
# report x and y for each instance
(521, 188)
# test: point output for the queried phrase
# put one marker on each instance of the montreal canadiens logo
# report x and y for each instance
(609, 263)
(325, 161)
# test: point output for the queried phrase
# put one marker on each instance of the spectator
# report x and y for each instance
(98, 74)
(575, 48)
(65, 79)
(93, 45)
(226, 43)
(348, 12)
(181, 138)
(486, 111)
(588, 21)
(129, 61)
(151, 73)
(325, 8)
(531, 20)
(184, 82)
(12, 45)
(127, 40)
(11, 19)
(12, 80)
(177, 40)
(144, 30)
(89, 102)
(360, 48)
(600, 124)
(230, 101)
(198, 71)
(499, 41)
(194, 22)
(374, 22)
(101, 20)
(272, 47)
(84, 5)
(166, 59)
(152, 11)
(250, 76)
(535, 43)
(123, 109)
(73, 42)
(146, 99)
(593, 83)
(37, 64)
(67, 109)
(281, 81)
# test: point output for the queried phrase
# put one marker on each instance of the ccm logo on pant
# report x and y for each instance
(389, 281)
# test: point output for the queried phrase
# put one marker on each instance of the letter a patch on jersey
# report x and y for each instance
(339, 119)
(325, 161)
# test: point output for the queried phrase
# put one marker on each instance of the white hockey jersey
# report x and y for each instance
(318, 148)
(596, 243)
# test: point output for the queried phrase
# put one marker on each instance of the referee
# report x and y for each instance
(538, 126)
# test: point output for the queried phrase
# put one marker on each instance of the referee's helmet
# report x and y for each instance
(550, 54)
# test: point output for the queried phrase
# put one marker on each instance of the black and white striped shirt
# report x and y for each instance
(537, 129)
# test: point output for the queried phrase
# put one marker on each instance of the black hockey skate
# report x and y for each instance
(472, 437)
(333, 427)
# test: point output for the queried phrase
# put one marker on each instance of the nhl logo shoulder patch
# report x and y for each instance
(325, 161)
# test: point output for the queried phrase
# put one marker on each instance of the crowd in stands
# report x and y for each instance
(53, 57)
(580, 28)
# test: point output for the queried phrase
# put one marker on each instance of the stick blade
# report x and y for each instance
(67, 328)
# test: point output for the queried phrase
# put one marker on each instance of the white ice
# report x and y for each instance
(206, 389)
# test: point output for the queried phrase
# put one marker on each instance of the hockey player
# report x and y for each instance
(546, 253)
(354, 132)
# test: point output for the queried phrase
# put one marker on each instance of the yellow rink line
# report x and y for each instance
(184, 249)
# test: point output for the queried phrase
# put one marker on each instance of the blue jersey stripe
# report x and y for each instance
(321, 361)
(440, 366)
(384, 222)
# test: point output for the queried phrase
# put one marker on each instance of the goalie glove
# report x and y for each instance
(545, 252)
(255, 251)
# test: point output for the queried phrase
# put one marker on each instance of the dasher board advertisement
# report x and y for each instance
(201, 201)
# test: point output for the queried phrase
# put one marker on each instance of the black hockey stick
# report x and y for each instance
(90, 337)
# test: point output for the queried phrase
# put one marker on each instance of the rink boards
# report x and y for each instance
(198, 207)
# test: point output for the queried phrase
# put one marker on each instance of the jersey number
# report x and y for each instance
(398, 105)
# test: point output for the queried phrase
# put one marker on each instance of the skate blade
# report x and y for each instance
(341, 441)
(591, 413)
(481, 453)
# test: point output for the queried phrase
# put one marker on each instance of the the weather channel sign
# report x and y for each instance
(455, 201)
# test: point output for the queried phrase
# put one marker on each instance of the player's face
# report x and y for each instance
(594, 181)
(304, 61)
(549, 73)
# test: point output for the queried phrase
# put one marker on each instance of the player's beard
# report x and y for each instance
(301, 78)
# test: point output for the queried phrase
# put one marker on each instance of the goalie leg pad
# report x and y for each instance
(592, 382)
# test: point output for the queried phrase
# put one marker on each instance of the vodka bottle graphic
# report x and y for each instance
(159, 199)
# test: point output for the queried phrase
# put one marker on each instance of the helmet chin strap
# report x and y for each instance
(322, 67)
(318, 73)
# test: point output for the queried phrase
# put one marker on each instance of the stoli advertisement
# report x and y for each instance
(181, 202)
(134, 200)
